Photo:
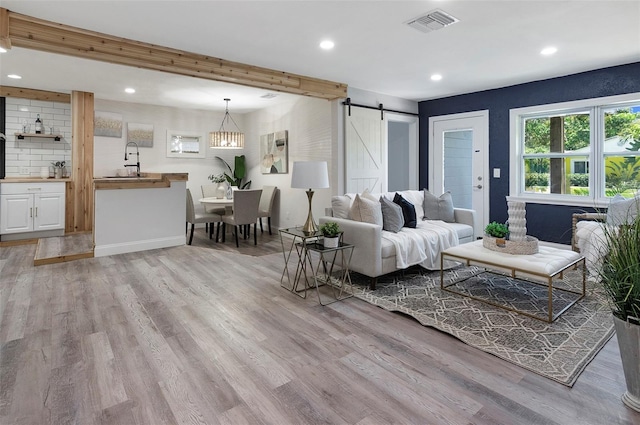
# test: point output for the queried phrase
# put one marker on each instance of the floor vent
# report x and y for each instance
(432, 21)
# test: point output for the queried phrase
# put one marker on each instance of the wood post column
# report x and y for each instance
(79, 196)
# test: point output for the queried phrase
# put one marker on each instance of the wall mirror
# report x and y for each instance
(183, 144)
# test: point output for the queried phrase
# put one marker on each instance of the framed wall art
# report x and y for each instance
(141, 134)
(274, 151)
(107, 124)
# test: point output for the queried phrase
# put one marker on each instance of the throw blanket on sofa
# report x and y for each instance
(590, 239)
(423, 244)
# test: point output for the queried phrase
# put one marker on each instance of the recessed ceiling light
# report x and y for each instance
(548, 50)
(327, 44)
(129, 90)
(436, 77)
(14, 76)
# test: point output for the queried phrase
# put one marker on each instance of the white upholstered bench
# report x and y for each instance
(548, 263)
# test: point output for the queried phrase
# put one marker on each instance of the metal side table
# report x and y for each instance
(305, 244)
(324, 270)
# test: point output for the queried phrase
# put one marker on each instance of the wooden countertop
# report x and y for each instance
(145, 181)
(32, 180)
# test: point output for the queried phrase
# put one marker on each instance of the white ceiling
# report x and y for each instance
(495, 44)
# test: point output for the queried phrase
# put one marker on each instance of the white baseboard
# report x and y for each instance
(123, 248)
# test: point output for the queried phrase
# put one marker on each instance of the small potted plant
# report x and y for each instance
(331, 232)
(220, 179)
(499, 231)
(58, 168)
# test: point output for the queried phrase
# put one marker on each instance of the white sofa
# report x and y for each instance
(375, 250)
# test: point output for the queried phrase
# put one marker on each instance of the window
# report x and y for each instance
(577, 152)
(181, 144)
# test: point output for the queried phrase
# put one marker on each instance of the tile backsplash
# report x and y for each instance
(25, 157)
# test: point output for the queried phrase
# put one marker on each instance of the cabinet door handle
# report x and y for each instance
(36, 211)
(31, 212)
(34, 188)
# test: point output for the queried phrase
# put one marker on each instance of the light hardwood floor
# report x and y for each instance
(204, 334)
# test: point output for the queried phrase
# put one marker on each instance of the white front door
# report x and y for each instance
(459, 160)
(365, 151)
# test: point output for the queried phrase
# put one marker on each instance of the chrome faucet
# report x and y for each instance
(126, 157)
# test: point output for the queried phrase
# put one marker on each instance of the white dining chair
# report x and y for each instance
(198, 215)
(245, 212)
(266, 205)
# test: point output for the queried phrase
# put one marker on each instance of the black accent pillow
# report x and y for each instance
(408, 211)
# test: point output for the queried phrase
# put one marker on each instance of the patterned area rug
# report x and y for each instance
(559, 350)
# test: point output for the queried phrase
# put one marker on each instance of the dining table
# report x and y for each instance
(218, 202)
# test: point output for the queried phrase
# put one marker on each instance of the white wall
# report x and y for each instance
(109, 151)
(25, 157)
(309, 122)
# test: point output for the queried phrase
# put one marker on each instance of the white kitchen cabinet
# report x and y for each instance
(32, 207)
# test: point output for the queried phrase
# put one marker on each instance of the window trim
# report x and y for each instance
(596, 175)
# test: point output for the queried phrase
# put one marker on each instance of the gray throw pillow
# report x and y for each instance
(408, 211)
(438, 208)
(392, 218)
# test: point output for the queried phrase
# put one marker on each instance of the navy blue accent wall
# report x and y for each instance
(547, 222)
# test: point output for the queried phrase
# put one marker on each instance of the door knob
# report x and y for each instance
(479, 186)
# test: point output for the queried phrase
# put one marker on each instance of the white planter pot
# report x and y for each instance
(629, 342)
(331, 242)
(221, 190)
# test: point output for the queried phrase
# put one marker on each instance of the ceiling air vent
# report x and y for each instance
(434, 20)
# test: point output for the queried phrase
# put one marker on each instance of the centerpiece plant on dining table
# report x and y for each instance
(238, 173)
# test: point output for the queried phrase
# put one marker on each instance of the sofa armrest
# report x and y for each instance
(465, 216)
(367, 241)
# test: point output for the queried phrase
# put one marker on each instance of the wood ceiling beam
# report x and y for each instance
(33, 33)
(33, 94)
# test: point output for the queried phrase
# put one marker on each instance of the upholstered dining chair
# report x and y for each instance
(210, 191)
(245, 212)
(199, 215)
(266, 205)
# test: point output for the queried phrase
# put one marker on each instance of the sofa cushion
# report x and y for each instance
(408, 211)
(622, 210)
(366, 210)
(366, 194)
(463, 230)
(438, 208)
(387, 248)
(392, 217)
(341, 205)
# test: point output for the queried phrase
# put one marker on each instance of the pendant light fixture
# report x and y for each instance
(224, 138)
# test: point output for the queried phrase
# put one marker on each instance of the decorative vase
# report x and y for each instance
(629, 340)
(57, 173)
(44, 172)
(221, 190)
(517, 221)
(331, 242)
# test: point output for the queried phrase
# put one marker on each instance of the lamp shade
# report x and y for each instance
(310, 175)
(226, 139)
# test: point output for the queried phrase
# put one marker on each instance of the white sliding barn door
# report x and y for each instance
(365, 151)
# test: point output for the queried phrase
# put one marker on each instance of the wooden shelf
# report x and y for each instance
(56, 137)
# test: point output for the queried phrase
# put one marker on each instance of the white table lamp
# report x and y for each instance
(310, 175)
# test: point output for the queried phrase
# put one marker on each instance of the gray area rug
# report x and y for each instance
(559, 351)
